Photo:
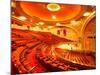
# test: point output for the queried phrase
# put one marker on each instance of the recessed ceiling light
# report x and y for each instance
(53, 17)
(86, 14)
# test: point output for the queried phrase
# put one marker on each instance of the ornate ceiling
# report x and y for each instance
(51, 12)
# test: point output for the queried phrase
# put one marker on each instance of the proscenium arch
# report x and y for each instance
(92, 16)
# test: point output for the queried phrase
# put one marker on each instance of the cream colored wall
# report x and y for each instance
(72, 35)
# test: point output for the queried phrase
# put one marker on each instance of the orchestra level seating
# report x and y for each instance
(35, 52)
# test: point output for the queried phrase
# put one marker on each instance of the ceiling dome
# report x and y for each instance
(51, 12)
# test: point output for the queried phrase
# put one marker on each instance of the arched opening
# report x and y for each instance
(89, 36)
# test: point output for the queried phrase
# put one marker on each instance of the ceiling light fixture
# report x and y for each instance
(54, 17)
(22, 18)
(53, 7)
(73, 22)
(86, 14)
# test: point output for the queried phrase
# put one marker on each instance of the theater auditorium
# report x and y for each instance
(52, 37)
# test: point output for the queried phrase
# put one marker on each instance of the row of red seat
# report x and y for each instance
(77, 57)
(32, 52)
(54, 64)
(43, 36)
(22, 55)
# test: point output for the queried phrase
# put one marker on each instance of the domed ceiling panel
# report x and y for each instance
(51, 12)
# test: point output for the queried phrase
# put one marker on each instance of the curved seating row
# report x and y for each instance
(76, 57)
(32, 52)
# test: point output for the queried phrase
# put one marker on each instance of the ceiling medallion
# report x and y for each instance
(53, 7)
